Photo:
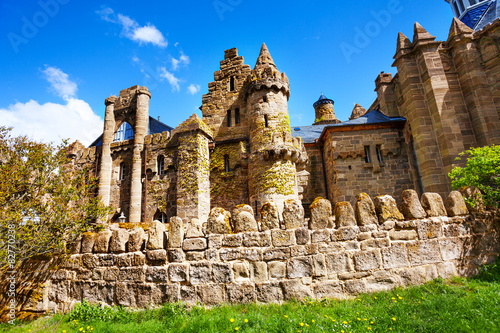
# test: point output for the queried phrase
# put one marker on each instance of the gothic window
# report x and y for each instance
(123, 170)
(236, 116)
(228, 118)
(160, 216)
(125, 132)
(227, 167)
(232, 84)
(368, 159)
(379, 154)
(161, 165)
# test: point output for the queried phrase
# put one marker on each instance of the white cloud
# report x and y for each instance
(132, 30)
(52, 122)
(60, 83)
(174, 81)
(183, 60)
(193, 88)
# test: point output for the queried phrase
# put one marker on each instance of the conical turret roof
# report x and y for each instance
(265, 58)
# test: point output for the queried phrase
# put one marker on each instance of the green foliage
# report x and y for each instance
(45, 200)
(86, 312)
(490, 272)
(456, 305)
(482, 171)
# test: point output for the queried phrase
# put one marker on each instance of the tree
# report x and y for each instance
(46, 201)
(481, 171)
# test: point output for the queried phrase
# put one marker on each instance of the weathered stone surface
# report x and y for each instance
(387, 209)
(403, 234)
(452, 248)
(258, 272)
(251, 254)
(119, 239)
(195, 255)
(269, 216)
(200, 273)
(365, 210)
(304, 250)
(194, 244)
(219, 221)
(411, 206)
(243, 219)
(176, 255)
(241, 293)
(277, 269)
(338, 263)
(473, 193)
(136, 240)
(330, 289)
(428, 229)
(156, 274)
(88, 240)
(446, 270)
(368, 260)
(344, 215)
(412, 276)
(194, 229)
(178, 272)
(269, 292)
(135, 274)
(232, 240)
(175, 232)
(230, 254)
(276, 254)
(319, 265)
(355, 286)
(283, 238)
(321, 236)
(241, 271)
(455, 204)
(294, 289)
(423, 253)
(261, 239)
(353, 275)
(321, 211)
(293, 214)
(215, 241)
(101, 244)
(375, 244)
(155, 236)
(345, 234)
(302, 236)
(222, 273)
(157, 255)
(125, 295)
(395, 256)
(210, 294)
(299, 267)
(433, 204)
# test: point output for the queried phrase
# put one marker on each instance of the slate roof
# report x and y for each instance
(310, 133)
(473, 16)
(322, 100)
(154, 126)
(491, 14)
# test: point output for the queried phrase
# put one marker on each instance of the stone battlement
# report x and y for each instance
(233, 258)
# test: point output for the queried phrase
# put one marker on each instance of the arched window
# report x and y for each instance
(227, 167)
(123, 170)
(160, 216)
(125, 132)
(161, 165)
(236, 116)
(232, 84)
(228, 118)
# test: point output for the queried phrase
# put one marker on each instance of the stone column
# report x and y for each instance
(140, 131)
(106, 161)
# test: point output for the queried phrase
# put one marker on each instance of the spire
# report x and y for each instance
(265, 57)
(403, 42)
(421, 34)
(459, 28)
(357, 112)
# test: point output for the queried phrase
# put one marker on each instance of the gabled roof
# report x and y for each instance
(311, 133)
(154, 126)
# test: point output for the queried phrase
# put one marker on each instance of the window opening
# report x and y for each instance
(266, 121)
(227, 167)
(123, 169)
(161, 165)
(232, 84)
(367, 155)
(124, 132)
(237, 116)
(228, 118)
(379, 154)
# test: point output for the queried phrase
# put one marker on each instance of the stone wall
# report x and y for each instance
(336, 253)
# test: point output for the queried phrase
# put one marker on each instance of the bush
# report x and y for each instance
(482, 171)
(87, 312)
(489, 273)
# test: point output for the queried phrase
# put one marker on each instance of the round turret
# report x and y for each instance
(325, 113)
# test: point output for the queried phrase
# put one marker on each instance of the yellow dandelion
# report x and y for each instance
(307, 325)
(375, 297)
(365, 319)
(369, 328)
(312, 321)
(342, 331)
(236, 328)
(301, 324)
(231, 320)
(393, 298)
(88, 327)
(326, 316)
(390, 329)
(64, 331)
(393, 318)
(359, 319)
(286, 316)
(344, 322)
(246, 320)
(371, 322)
(400, 297)
(81, 329)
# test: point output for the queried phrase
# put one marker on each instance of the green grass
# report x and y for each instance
(456, 305)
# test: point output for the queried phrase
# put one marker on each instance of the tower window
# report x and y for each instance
(266, 121)
(265, 99)
(378, 150)
(123, 170)
(232, 84)
(236, 116)
(161, 165)
(227, 167)
(125, 132)
(367, 155)
(161, 217)
(228, 118)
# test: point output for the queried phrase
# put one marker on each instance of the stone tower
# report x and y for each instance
(273, 150)
(325, 113)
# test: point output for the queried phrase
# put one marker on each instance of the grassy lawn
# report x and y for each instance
(456, 305)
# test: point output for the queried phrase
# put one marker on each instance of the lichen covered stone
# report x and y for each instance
(386, 208)
(455, 204)
(344, 214)
(269, 216)
(411, 206)
(293, 214)
(321, 211)
(219, 221)
(365, 210)
(433, 204)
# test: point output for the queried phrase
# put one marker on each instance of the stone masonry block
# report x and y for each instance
(155, 236)
(433, 204)
(175, 233)
(276, 269)
(302, 236)
(241, 293)
(411, 207)
(101, 244)
(243, 219)
(232, 240)
(299, 267)
(222, 273)
(386, 208)
(269, 216)
(241, 271)
(293, 214)
(178, 272)
(136, 240)
(200, 273)
(88, 240)
(338, 263)
(423, 252)
(368, 260)
(344, 215)
(428, 229)
(283, 238)
(194, 244)
(219, 221)
(119, 239)
(365, 210)
(395, 256)
(210, 294)
(455, 204)
(321, 211)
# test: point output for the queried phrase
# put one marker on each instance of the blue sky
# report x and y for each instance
(61, 58)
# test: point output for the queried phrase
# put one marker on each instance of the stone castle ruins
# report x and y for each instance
(237, 206)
